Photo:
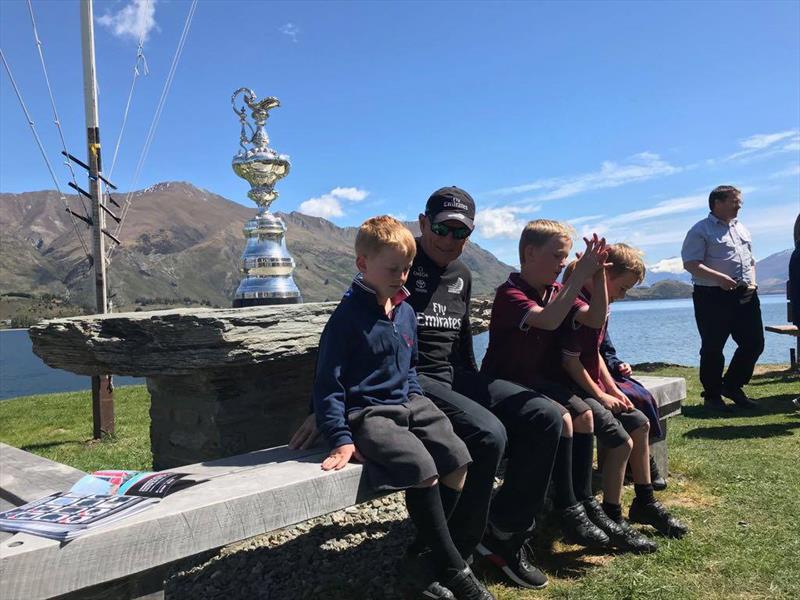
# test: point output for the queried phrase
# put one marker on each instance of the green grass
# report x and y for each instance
(734, 480)
(59, 427)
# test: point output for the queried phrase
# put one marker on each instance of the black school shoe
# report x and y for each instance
(513, 557)
(622, 535)
(465, 586)
(416, 571)
(655, 514)
(739, 397)
(579, 529)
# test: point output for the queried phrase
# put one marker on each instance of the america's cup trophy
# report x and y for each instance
(266, 262)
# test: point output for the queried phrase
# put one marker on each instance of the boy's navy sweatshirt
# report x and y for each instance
(365, 358)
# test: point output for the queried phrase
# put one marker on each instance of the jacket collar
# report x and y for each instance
(364, 292)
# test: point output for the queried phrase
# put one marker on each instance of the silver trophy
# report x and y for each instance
(266, 262)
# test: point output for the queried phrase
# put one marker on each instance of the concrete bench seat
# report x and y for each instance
(242, 496)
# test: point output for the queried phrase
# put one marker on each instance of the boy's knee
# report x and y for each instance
(566, 425)
(455, 479)
(584, 422)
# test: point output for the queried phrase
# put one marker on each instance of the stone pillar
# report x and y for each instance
(223, 412)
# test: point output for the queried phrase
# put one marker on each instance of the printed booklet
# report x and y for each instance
(95, 500)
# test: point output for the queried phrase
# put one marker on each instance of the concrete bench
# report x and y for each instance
(242, 496)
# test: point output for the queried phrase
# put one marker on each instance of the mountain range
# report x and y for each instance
(180, 244)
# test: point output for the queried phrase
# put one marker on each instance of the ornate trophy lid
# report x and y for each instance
(256, 162)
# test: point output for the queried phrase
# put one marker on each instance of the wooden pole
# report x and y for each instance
(102, 388)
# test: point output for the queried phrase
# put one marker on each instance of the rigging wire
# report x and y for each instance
(56, 120)
(154, 123)
(140, 58)
(44, 154)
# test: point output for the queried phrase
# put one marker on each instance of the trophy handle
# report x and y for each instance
(249, 95)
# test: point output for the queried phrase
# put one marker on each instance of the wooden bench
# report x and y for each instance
(242, 496)
(794, 353)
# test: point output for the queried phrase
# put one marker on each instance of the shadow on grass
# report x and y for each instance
(775, 377)
(44, 446)
(732, 432)
(771, 405)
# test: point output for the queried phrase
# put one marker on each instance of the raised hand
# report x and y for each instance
(591, 260)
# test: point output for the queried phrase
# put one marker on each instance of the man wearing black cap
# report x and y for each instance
(440, 286)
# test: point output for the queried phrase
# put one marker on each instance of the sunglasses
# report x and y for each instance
(459, 233)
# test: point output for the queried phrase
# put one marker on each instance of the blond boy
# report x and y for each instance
(369, 405)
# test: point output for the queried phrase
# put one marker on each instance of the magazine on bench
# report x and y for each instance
(95, 500)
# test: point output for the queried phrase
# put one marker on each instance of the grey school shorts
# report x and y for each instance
(613, 429)
(563, 395)
(404, 444)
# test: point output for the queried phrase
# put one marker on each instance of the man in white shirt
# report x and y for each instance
(718, 253)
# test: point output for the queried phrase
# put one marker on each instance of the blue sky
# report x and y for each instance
(619, 117)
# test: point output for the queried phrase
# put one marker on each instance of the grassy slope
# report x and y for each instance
(736, 481)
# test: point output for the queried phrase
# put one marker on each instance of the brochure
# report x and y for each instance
(131, 483)
(98, 499)
(65, 515)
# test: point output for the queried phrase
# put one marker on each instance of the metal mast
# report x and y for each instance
(102, 394)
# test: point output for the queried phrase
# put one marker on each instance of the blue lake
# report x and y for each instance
(22, 373)
(643, 331)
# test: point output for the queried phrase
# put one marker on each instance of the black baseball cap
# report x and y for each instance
(451, 204)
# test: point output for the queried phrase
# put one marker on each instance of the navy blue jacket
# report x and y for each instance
(365, 358)
(609, 354)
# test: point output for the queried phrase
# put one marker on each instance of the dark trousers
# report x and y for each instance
(485, 438)
(533, 425)
(720, 314)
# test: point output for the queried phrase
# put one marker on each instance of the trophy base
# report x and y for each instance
(244, 302)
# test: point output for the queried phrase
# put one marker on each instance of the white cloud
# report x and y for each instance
(349, 193)
(764, 140)
(329, 205)
(585, 219)
(666, 207)
(326, 206)
(766, 144)
(135, 20)
(290, 30)
(667, 265)
(639, 167)
(502, 221)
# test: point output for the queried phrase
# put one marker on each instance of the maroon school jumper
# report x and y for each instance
(518, 352)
